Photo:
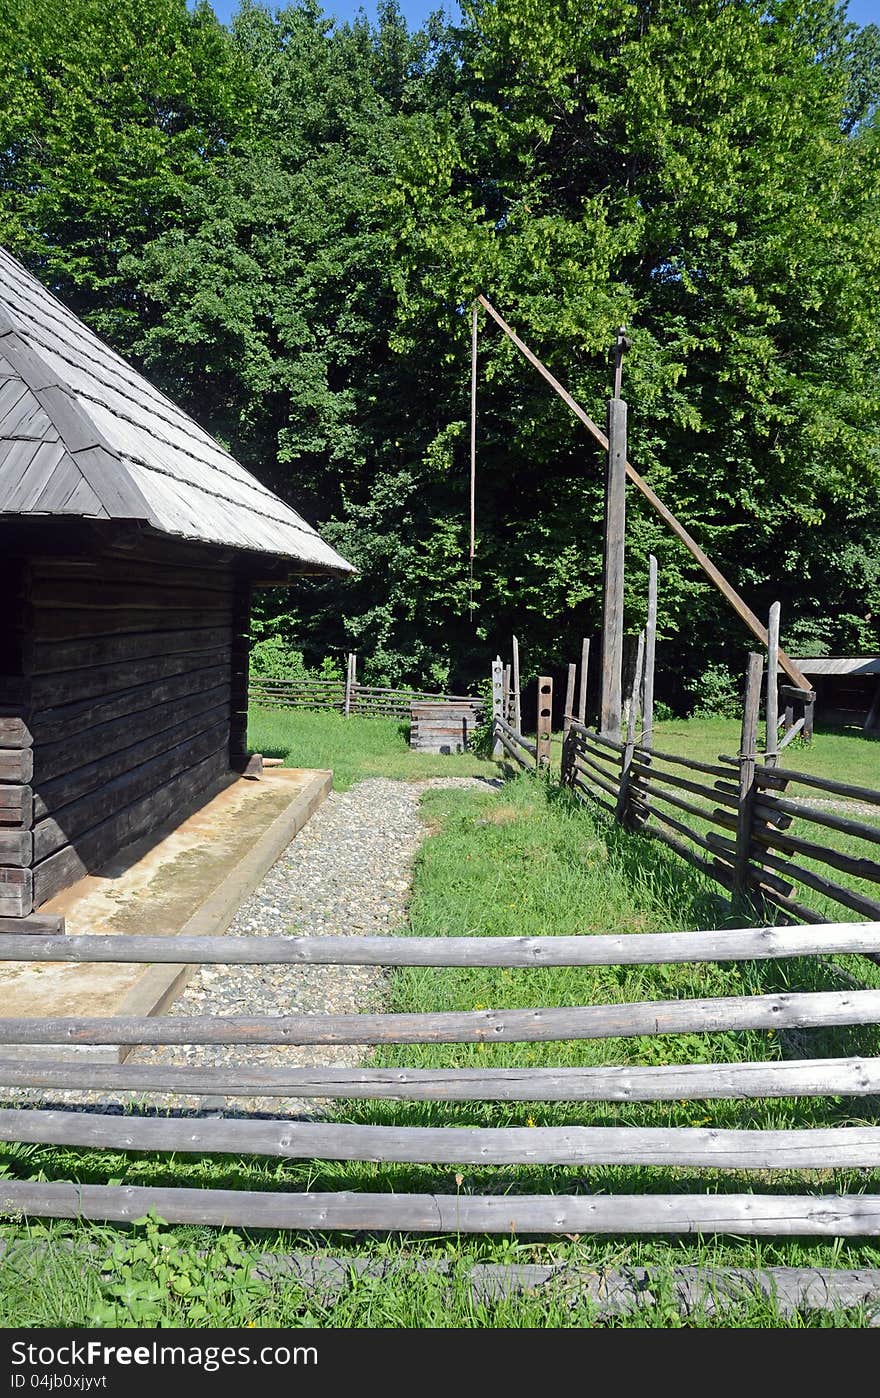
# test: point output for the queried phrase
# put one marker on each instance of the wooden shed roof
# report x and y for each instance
(83, 434)
(841, 665)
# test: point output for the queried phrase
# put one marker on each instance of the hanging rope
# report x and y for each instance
(473, 449)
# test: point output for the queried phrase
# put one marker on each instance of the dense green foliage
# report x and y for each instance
(285, 223)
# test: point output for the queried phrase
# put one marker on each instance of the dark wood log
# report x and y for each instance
(775, 776)
(824, 1009)
(740, 1214)
(593, 775)
(813, 1077)
(71, 822)
(104, 840)
(51, 656)
(86, 747)
(629, 949)
(61, 791)
(681, 783)
(65, 720)
(859, 867)
(711, 769)
(55, 624)
(712, 817)
(52, 691)
(100, 593)
(578, 786)
(848, 1147)
(868, 907)
(772, 805)
(728, 850)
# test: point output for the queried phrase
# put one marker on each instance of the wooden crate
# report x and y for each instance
(442, 726)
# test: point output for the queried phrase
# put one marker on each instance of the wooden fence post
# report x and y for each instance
(623, 791)
(497, 703)
(650, 656)
(349, 683)
(771, 712)
(747, 757)
(613, 559)
(505, 694)
(517, 692)
(569, 700)
(545, 722)
(585, 667)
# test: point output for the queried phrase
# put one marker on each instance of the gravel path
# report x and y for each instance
(348, 872)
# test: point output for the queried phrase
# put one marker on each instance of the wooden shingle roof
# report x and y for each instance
(83, 434)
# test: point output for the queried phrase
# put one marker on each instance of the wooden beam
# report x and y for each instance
(727, 590)
(812, 1077)
(545, 720)
(754, 1215)
(812, 1009)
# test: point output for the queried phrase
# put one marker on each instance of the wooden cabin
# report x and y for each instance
(130, 541)
(847, 689)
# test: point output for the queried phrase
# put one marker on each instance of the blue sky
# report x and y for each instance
(860, 11)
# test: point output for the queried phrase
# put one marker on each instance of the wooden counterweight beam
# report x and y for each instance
(727, 590)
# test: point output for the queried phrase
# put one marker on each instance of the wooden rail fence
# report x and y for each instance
(732, 819)
(346, 696)
(836, 1147)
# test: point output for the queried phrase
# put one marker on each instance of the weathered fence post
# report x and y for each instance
(517, 692)
(505, 694)
(585, 666)
(615, 527)
(349, 683)
(497, 703)
(771, 712)
(623, 791)
(650, 656)
(747, 757)
(569, 700)
(545, 721)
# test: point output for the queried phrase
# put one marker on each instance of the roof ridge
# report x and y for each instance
(99, 464)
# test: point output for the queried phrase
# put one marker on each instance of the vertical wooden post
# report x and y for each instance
(585, 669)
(623, 791)
(517, 691)
(545, 721)
(505, 694)
(349, 683)
(497, 703)
(748, 749)
(650, 656)
(613, 560)
(809, 718)
(771, 712)
(569, 700)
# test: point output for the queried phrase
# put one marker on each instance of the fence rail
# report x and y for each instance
(370, 700)
(834, 1147)
(732, 819)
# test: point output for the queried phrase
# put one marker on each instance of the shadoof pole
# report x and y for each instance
(714, 575)
(611, 697)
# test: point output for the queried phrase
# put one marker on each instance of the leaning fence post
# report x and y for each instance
(623, 790)
(497, 703)
(545, 722)
(582, 694)
(748, 749)
(771, 712)
(650, 654)
(517, 693)
(569, 700)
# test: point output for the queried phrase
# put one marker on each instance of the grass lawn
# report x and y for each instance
(354, 747)
(529, 861)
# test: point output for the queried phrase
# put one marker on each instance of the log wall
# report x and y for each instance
(123, 707)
